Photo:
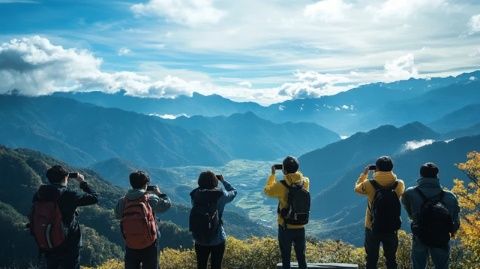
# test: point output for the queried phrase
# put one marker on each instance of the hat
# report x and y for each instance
(384, 164)
(290, 164)
(429, 170)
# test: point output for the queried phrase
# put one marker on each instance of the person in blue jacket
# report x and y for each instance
(429, 187)
(208, 232)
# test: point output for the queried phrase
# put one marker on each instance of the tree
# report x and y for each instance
(469, 200)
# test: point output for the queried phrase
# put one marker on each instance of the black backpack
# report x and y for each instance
(434, 222)
(297, 211)
(386, 209)
(204, 220)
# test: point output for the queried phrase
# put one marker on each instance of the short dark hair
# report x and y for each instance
(207, 180)
(56, 174)
(290, 164)
(384, 164)
(139, 179)
(429, 170)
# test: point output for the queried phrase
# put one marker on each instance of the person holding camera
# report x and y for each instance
(136, 211)
(293, 209)
(53, 219)
(382, 220)
(205, 222)
(434, 214)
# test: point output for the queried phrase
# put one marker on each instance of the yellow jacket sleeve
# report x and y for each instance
(360, 185)
(306, 183)
(273, 188)
(400, 188)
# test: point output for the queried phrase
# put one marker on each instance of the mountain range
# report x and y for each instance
(359, 109)
(84, 134)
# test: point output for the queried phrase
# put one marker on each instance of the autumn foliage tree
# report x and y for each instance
(468, 194)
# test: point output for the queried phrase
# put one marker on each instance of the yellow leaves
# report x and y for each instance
(469, 201)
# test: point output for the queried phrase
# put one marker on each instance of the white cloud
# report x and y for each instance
(415, 144)
(35, 66)
(247, 84)
(186, 12)
(474, 24)
(312, 84)
(169, 116)
(124, 51)
(327, 10)
(406, 8)
(401, 68)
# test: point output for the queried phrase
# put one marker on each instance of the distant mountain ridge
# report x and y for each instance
(326, 165)
(247, 136)
(359, 109)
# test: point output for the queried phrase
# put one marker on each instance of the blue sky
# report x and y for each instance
(264, 51)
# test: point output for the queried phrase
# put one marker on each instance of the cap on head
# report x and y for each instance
(290, 165)
(429, 170)
(207, 180)
(56, 174)
(139, 179)
(384, 164)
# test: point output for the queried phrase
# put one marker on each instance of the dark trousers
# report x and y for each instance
(287, 237)
(65, 258)
(216, 253)
(372, 247)
(146, 258)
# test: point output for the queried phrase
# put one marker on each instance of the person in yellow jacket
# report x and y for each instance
(288, 233)
(385, 178)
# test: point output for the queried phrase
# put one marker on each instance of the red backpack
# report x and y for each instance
(46, 224)
(138, 224)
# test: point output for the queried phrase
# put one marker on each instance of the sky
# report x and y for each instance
(263, 51)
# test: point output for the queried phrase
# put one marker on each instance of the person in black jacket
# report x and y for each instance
(68, 254)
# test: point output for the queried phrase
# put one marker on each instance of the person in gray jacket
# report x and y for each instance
(147, 256)
(428, 188)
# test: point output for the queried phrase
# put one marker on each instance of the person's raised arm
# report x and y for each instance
(159, 201)
(360, 184)
(272, 188)
(230, 192)
(89, 196)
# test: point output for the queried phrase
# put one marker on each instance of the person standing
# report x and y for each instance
(382, 219)
(293, 209)
(53, 219)
(137, 211)
(205, 222)
(434, 214)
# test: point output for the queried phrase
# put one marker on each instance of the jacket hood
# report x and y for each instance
(294, 178)
(385, 178)
(205, 195)
(429, 182)
(134, 194)
(49, 192)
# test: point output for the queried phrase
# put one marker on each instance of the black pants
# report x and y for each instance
(216, 253)
(146, 258)
(372, 247)
(285, 239)
(68, 258)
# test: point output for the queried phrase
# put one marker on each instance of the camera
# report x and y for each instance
(372, 167)
(219, 177)
(72, 175)
(278, 166)
(151, 188)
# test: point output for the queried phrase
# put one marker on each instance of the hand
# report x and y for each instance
(156, 190)
(365, 171)
(80, 178)
(220, 177)
(273, 169)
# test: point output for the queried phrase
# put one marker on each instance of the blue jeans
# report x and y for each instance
(287, 237)
(146, 258)
(420, 252)
(372, 247)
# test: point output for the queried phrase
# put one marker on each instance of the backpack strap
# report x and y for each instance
(375, 184)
